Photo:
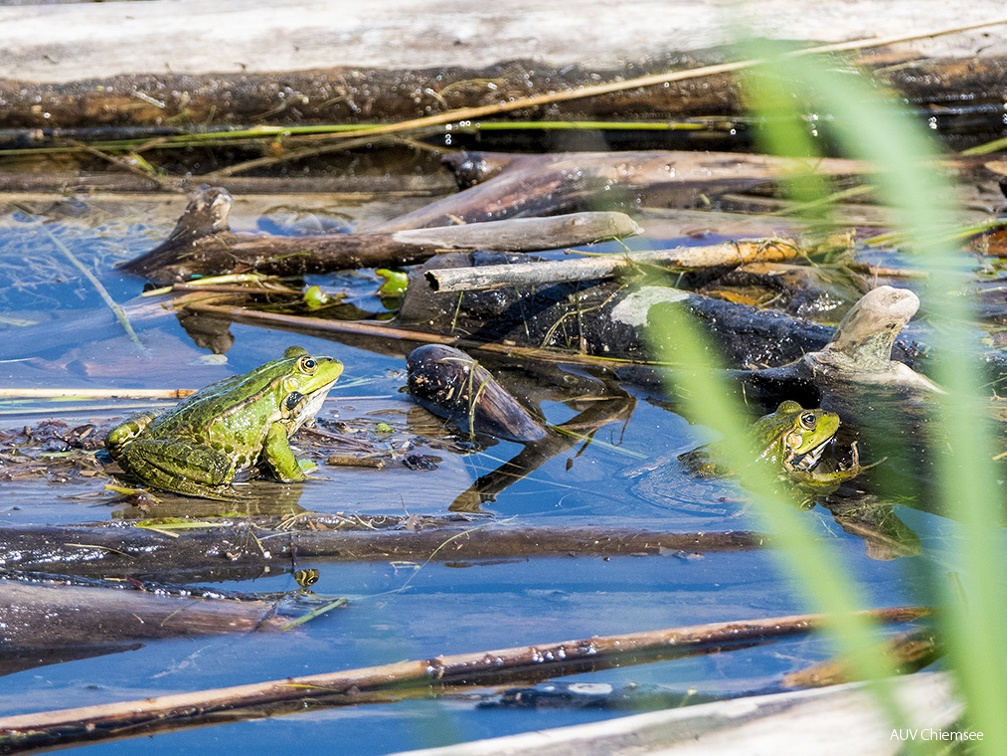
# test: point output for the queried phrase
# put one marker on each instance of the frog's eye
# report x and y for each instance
(808, 420)
(306, 578)
(307, 364)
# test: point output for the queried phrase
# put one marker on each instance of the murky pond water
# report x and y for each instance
(58, 333)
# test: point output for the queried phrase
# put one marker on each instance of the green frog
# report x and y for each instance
(199, 446)
(792, 441)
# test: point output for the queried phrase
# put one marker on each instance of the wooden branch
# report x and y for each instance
(416, 678)
(600, 267)
(524, 234)
(202, 242)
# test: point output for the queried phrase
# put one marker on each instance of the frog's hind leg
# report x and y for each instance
(180, 466)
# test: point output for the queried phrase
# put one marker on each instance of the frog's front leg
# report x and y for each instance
(280, 457)
(179, 465)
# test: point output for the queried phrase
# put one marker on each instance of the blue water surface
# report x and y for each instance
(63, 335)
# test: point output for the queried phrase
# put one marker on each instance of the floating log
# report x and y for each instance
(203, 244)
(606, 320)
(336, 95)
(118, 549)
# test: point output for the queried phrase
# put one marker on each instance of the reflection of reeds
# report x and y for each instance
(867, 127)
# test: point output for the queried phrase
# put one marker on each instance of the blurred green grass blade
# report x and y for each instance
(870, 126)
(812, 565)
(783, 130)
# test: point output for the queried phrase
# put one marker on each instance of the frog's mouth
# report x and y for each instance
(807, 461)
(810, 459)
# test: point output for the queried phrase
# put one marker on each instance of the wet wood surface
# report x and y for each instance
(109, 550)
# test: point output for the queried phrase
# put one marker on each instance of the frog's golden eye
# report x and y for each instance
(808, 420)
(307, 364)
(306, 578)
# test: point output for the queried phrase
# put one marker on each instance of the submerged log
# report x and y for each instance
(203, 244)
(126, 550)
(48, 614)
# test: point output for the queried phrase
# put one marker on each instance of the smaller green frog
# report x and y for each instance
(792, 441)
(198, 447)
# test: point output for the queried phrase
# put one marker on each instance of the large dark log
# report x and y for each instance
(165, 104)
(607, 319)
(339, 96)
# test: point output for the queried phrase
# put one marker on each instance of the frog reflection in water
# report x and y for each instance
(791, 441)
(199, 446)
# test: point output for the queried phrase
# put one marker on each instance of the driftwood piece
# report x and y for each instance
(423, 677)
(536, 185)
(118, 549)
(600, 267)
(862, 352)
(370, 75)
(202, 242)
(46, 615)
